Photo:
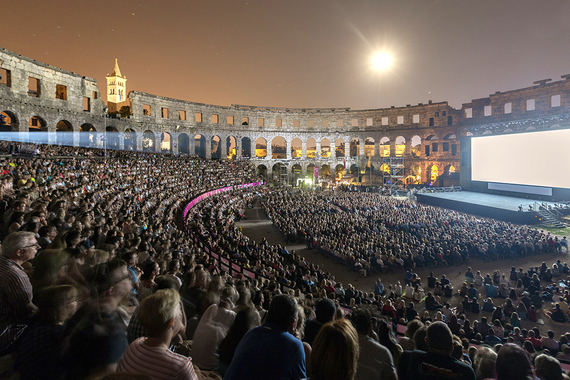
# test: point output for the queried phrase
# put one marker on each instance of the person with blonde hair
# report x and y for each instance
(161, 316)
(335, 352)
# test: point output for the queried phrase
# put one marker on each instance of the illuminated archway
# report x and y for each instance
(296, 148)
(325, 171)
(278, 148)
(433, 172)
(165, 142)
(325, 148)
(339, 148)
(8, 121)
(262, 171)
(231, 147)
(384, 147)
(216, 147)
(339, 171)
(369, 147)
(354, 147)
(279, 173)
(400, 146)
(311, 171)
(416, 146)
(296, 172)
(260, 147)
(311, 147)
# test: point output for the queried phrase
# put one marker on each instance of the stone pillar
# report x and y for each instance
(333, 153)
(287, 150)
(139, 137)
(157, 142)
(121, 140)
(238, 147)
(361, 147)
(318, 148)
(304, 149)
(174, 143)
(223, 148)
(208, 147)
(75, 137)
(192, 146)
(347, 149)
(392, 148)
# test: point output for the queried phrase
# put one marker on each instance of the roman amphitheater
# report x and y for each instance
(412, 144)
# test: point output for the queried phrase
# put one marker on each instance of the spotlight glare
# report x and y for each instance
(382, 61)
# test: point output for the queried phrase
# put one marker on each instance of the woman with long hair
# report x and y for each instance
(335, 352)
(386, 338)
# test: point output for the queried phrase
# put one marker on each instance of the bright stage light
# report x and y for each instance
(382, 61)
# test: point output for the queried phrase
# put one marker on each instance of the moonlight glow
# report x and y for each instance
(382, 61)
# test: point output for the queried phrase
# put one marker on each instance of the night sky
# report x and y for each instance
(299, 53)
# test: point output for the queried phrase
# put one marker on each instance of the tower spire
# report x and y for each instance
(116, 70)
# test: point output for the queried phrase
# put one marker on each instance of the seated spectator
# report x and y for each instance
(161, 316)
(472, 292)
(532, 314)
(478, 279)
(484, 363)
(547, 368)
(386, 338)
(274, 344)
(498, 329)
(550, 343)
(488, 305)
(515, 320)
(335, 352)
(375, 360)
(556, 314)
(513, 364)
(536, 343)
(491, 290)
(431, 303)
(407, 341)
(245, 320)
(424, 365)
(40, 351)
(469, 276)
(491, 339)
(411, 313)
(564, 354)
(324, 311)
(475, 306)
(431, 280)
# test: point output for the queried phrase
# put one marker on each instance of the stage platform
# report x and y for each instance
(488, 205)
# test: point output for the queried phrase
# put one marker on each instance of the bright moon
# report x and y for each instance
(382, 61)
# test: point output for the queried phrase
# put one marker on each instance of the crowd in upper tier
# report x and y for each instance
(100, 277)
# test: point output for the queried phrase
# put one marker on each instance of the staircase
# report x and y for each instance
(550, 219)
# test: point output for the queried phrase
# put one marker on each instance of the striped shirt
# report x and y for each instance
(158, 363)
(15, 296)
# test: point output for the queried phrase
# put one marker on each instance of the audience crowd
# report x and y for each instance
(100, 278)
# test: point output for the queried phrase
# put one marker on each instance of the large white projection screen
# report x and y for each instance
(531, 158)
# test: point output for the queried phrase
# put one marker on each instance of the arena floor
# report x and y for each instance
(258, 226)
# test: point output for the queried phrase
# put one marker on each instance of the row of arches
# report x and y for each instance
(277, 148)
(338, 172)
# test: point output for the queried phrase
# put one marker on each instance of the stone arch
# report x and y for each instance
(296, 148)
(183, 144)
(384, 147)
(353, 169)
(369, 147)
(354, 147)
(325, 148)
(431, 145)
(509, 130)
(278, 148)
(148, 141)
(8, 121)
(311, 147)
(200, 145)
(260, 147)
(450, 136)
(311, 171)
(112, 137)
(296, 173)
(400, 146)
(64, 133)
(339, 148)
(87, 135)
(416, 146)
(262, 170)
(165, 142)
(469, 133)
(339, 171)
(37, 124)
(130, 139)
(216, 147)
(487, 132)
(246, 148)
(231, 147)
(279, 172)
(432, 173)
(325, 171)
(448, 169)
